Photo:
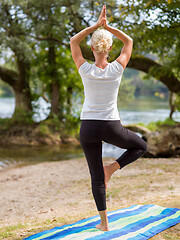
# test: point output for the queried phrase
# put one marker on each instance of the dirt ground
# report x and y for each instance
(50, 194)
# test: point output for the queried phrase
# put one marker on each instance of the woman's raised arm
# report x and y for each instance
(76, 39)
(75, 48)
(125, 55)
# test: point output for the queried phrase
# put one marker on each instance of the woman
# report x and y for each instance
(100, 116)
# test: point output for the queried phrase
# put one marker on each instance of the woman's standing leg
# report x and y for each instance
(91, 143)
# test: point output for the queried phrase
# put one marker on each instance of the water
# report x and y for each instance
(7, 106)
(142, 110)
(18, 156)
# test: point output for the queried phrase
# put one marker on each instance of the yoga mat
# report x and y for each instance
(137, 222)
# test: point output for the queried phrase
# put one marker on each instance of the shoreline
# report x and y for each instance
(52, 190)
(14, 156)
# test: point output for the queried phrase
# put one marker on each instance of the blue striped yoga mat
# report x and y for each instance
(137, 222)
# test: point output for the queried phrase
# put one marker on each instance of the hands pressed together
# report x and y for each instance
(102, 21)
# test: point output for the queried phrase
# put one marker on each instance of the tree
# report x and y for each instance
(155, 29)
(32, 26)
(45, 21)
(13, 37)
(38, 33)
(49, 21)
(156, 26)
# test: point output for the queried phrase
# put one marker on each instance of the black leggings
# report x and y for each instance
(92, 133)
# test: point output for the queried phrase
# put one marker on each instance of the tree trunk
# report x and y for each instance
(69, 100)
(55, 98)
(171, 104)
(22, 89)
(22, 99)
(55, 87)
(19, 83)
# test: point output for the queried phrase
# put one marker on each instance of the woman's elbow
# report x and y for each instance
(130, 40)
(71, 39)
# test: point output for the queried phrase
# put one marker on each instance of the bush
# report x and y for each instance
(71, 126)
(153, 126)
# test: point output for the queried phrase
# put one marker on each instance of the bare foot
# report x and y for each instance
(107, 174)
(102, 228)
(109, 170)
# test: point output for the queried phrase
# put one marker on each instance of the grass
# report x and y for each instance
(9, 231)
(153, 126)
(20, 231)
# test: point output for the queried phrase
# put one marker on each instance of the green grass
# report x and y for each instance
(9, 231)
(153, 126)
(21, 231)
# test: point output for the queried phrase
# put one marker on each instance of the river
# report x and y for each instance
(142, 109)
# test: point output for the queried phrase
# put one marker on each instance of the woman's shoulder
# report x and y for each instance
(85, 66)
(117, 66)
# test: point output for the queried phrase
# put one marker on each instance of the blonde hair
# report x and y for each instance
(101, 40)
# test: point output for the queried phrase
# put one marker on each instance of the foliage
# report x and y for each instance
(52, 123)
(44, 130)
(5, 90)
(67, 76)
(177, 102)
(14, 29)
(154, 27)
(126, 92)
(71, 126)
(147, 86)
(20, 118)
(153, 126)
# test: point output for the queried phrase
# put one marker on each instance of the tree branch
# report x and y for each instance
(47, 38)
(8, 76)
(146, 64)
(76, 14)
(46, 98)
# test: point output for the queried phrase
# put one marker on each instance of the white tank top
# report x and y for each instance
(101, 87)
